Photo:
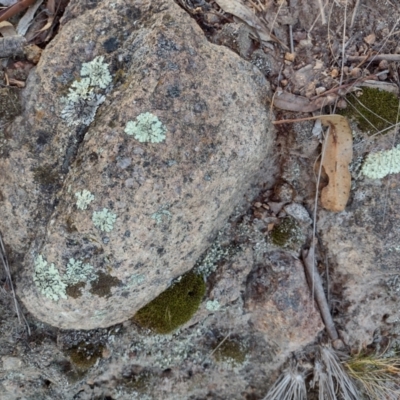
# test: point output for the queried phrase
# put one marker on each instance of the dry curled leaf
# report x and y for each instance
(239, 10)
(292, 102)
(337, 155)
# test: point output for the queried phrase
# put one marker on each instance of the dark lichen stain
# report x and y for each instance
(74, 291)
(174, 306)
(43, 138)
(70, 225)
(119, 76)
(230, 350)
(111, 44)
(134, 14)
(10, 105)
(85, 355)
(102, 285)
(138, 378)
(46, 176)
(378, 107)
(173, 91)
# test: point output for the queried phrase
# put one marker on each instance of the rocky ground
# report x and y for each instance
(256, 316)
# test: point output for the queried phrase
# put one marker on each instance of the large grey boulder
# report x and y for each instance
(99, 221)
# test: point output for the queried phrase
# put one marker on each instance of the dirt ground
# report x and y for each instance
(317, 56)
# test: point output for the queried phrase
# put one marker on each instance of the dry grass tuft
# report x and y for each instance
(377, 375)
(291, 385)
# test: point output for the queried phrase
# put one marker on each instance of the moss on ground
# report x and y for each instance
(287, 234)
(85, 355)
(230, 350)
(174, 306)
(374, 110)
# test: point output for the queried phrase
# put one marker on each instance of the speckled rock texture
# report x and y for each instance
(280, 304)
(168, 199)
(255, 314)
(363, 258)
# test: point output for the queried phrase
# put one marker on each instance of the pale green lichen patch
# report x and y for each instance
(86, 94)
(161, 215)
(104, 220)
(54, 286)
(84, 198)
(382, 163)
(97, 71)
(48, 280)
(213, 305)
(77, 271)
(146, 128)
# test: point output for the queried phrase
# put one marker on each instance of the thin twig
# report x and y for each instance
(314, 277)
(353, 17)
(4, 261)
(291, 39)
(377, 57)
(322, 12)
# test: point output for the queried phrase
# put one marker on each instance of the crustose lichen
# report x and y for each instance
(84, 198)
(146, 128)
(48, 279)
(382, 163)
(85, 95)
(104, 220)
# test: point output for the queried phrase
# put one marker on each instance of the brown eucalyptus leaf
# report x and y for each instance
(239, 10)
(337, 157)
(292, 102)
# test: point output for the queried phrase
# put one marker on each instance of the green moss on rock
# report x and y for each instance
(174, 306)
(85, 355)
(230, 350)
(287, 234)
(374, 110)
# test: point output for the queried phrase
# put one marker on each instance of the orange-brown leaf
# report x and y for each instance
(337, 156)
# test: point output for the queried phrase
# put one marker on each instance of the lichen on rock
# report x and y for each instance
(211, 145)
(86, 95)
(48, 279)
(146, 128)
(378, 165)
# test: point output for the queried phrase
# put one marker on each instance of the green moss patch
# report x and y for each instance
(230, 350)
(173, 307)
(374, 110)
(85, 355)
(287, 234)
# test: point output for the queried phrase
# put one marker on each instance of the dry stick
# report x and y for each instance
(321, 10)
(10, 283)
(386, 39)
(15, 9)
(314, 277)
(353, 17)
(291, 39)
(344, 86)
(380, 57)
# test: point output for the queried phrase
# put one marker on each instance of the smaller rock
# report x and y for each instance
(298, 212)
